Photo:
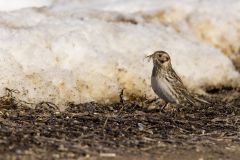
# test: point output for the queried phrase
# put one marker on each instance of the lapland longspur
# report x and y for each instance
(167, 84)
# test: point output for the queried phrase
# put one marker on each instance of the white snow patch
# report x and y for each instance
(215, 22)
(9, 5)
(71, 53)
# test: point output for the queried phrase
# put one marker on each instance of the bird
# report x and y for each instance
(167, 84)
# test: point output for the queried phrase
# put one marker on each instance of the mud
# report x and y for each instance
(124, 130)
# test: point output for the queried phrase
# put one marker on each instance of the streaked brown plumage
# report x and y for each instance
(166, 83)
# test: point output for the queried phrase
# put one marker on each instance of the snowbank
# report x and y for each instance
(216, 22)
(9, 5)
(82, 52)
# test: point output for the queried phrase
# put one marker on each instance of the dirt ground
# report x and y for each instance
(126, 130)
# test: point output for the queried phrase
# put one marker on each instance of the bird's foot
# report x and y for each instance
(162, 109)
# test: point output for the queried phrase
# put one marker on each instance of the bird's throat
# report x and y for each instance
(155, 71)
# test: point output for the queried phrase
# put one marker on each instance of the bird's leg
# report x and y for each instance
(178, 108)
(174, 111)
(164, 106)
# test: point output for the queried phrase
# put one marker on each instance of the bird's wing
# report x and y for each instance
(176, 81)
(180, 88)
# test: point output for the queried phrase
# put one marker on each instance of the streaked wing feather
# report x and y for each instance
(181, 90)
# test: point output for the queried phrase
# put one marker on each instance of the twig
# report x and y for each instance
(121, 96)
(105, 123)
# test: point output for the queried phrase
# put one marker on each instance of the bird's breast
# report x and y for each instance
(163, 89)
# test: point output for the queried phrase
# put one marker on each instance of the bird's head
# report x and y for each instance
(160, 59)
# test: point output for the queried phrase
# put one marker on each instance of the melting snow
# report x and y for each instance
(89, 50)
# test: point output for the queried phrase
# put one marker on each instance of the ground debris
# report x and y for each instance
(127, 129)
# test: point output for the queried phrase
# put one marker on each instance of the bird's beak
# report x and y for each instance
(149, 57)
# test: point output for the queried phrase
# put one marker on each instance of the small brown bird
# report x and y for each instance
(167, 84)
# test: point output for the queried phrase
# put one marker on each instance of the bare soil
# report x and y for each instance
(125, 130)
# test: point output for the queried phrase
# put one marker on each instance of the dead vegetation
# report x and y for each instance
(126, 129)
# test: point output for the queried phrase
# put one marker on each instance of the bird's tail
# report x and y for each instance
(194, 99)
(201, 100)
